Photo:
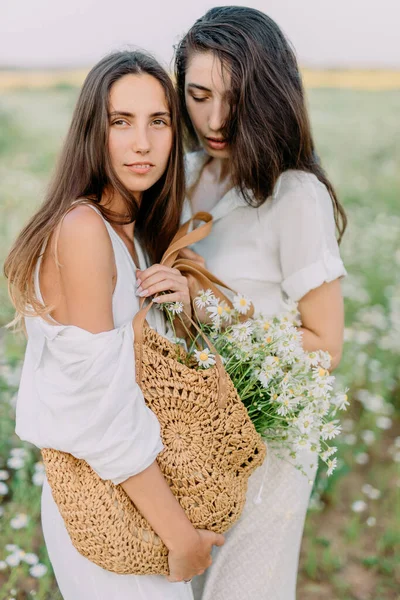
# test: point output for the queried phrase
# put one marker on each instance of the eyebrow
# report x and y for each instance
(199, 87)
(121, 113)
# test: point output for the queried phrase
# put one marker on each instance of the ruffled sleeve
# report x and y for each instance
(88, 402)
(308, 250)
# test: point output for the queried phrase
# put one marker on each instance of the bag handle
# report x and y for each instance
(181, 239)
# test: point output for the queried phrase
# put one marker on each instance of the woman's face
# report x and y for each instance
(206, 86)
(140, 131)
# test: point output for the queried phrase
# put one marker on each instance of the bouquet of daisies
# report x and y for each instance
(287, 391)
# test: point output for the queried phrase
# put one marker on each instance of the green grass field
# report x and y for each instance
(351, 548)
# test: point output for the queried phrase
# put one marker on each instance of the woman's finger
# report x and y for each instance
(175, 282)
(165, 285)
(174, 297)
(142, 276)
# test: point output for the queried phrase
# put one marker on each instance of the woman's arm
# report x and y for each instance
(322, 317)
(87, 266)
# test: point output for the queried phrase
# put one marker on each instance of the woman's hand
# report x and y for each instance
(193, 558)
(159, 278)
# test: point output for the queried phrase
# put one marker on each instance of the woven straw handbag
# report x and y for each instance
(210, 449)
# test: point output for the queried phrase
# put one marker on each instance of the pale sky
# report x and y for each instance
(328, 33)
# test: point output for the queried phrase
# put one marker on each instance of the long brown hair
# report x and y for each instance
(268, 125)
(84, 170)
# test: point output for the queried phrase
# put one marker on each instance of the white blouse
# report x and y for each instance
(276, 252)
(78, 391)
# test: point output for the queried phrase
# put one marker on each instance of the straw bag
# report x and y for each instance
(210, 449)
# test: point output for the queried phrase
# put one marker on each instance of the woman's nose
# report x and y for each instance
(141, 141)
(216, 118)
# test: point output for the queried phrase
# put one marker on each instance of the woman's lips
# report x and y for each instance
(140, 168)
(216, 144)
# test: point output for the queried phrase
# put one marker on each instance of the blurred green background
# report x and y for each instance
(351, 548)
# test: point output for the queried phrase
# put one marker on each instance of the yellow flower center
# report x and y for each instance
(243, 302)
(269, 340)
(321, 372)
(203, 356)
(220, 310)
(267, 326)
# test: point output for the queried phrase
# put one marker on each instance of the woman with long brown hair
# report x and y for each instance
(113, 206)
(254, 167)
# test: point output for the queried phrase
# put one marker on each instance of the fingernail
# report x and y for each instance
(138, 283)
(158, 300)
(139, 288)
(142, 293)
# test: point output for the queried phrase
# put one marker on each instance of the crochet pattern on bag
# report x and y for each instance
(209, 453)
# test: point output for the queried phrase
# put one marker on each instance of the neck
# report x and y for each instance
(220, 169)
(113, 200)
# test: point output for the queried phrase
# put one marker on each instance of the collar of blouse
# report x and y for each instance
(229, 202)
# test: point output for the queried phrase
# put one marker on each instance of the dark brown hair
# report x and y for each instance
(268, 125)
(84, 171)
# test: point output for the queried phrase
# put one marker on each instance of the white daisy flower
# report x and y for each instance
(3, 565)
(330, 430)
(219, 311)
(176, 308)
(359, 506)
(204, 358)
(287, 404)
(38, 570)
(341, 401)
(242, 304)
(3, 488)
(13, 560)
(204, 298)
(371, 521)
(4, 475)
(15, 462)
(269, 369)
(242, 331)
(12, 547)
(368, 437)
(328, 453)
(312, 359)
(19, 521)
(38, 478)
(332, 464)
(20, 452)
(304, 422)
(30, 558)
(325, 359)
(384, 422)
(362, 458)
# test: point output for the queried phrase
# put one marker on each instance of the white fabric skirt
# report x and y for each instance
(80, 579)
(259, 560)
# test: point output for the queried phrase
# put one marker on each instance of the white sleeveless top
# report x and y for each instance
(78, 391)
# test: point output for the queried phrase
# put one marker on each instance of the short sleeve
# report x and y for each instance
(89, 403)
(308, 250)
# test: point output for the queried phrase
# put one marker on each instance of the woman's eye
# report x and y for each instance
(120, 122)
(159, 122)
(199, 98)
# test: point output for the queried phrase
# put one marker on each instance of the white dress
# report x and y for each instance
(281, 250)
(78, 394)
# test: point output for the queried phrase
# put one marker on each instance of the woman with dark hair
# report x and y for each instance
(114, 203)
(255, 169)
